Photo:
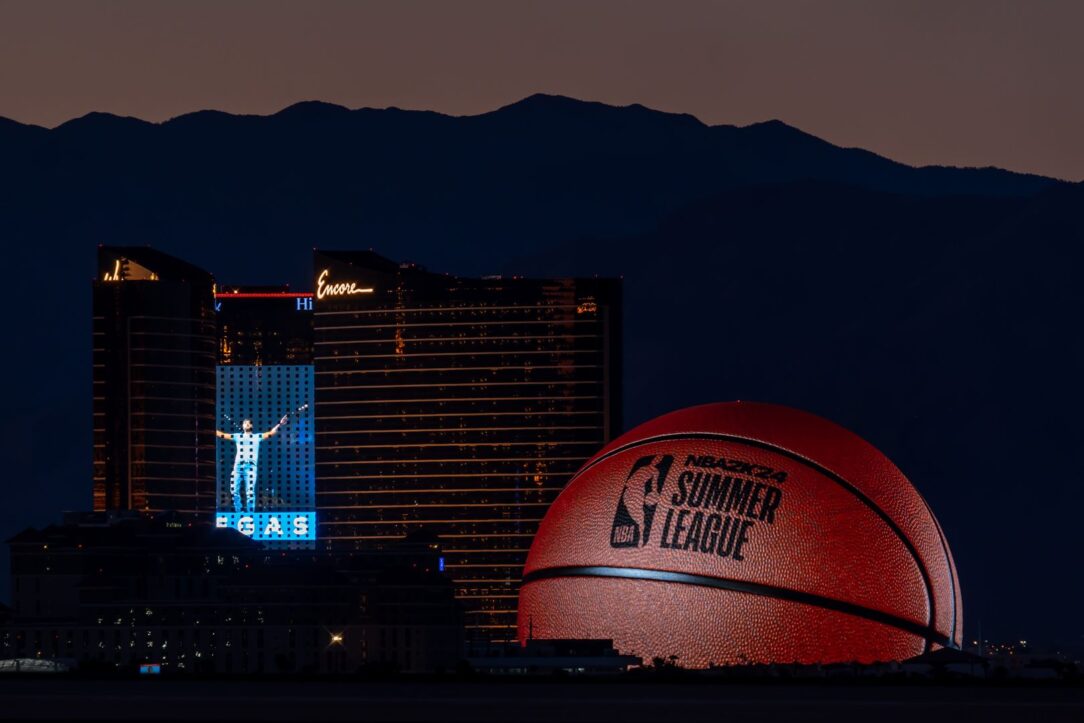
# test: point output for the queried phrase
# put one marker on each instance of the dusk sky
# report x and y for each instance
(975, 82)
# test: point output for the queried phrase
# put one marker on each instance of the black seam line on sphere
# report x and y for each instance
(801, 460)
(949, 567)
(927, 633)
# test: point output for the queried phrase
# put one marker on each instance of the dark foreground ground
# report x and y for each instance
(553, 702)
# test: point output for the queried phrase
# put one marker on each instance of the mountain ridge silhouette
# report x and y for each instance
(420, 182)
(537, 106)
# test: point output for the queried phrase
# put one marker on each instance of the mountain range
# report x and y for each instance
(934, 310)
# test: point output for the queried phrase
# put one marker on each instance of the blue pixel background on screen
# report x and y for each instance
(266, 475)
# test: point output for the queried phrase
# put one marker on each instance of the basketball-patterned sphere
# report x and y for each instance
(743, 533)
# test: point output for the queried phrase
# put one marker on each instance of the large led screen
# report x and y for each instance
(265, 452)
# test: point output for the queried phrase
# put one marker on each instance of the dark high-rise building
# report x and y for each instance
(459, 407)
(259, 325)
(154, 383)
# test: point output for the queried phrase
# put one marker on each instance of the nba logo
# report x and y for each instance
(643, 487)
(625, 531)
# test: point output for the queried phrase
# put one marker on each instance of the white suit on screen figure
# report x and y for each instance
(245, 462)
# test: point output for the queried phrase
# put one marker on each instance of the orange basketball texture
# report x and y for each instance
(743, 532)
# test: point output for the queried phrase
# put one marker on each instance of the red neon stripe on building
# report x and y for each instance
(261, 295)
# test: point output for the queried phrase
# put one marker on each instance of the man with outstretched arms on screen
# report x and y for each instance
(244, 463)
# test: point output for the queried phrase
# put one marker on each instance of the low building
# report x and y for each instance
(552, 656)
(946, 662)
(114, 591)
